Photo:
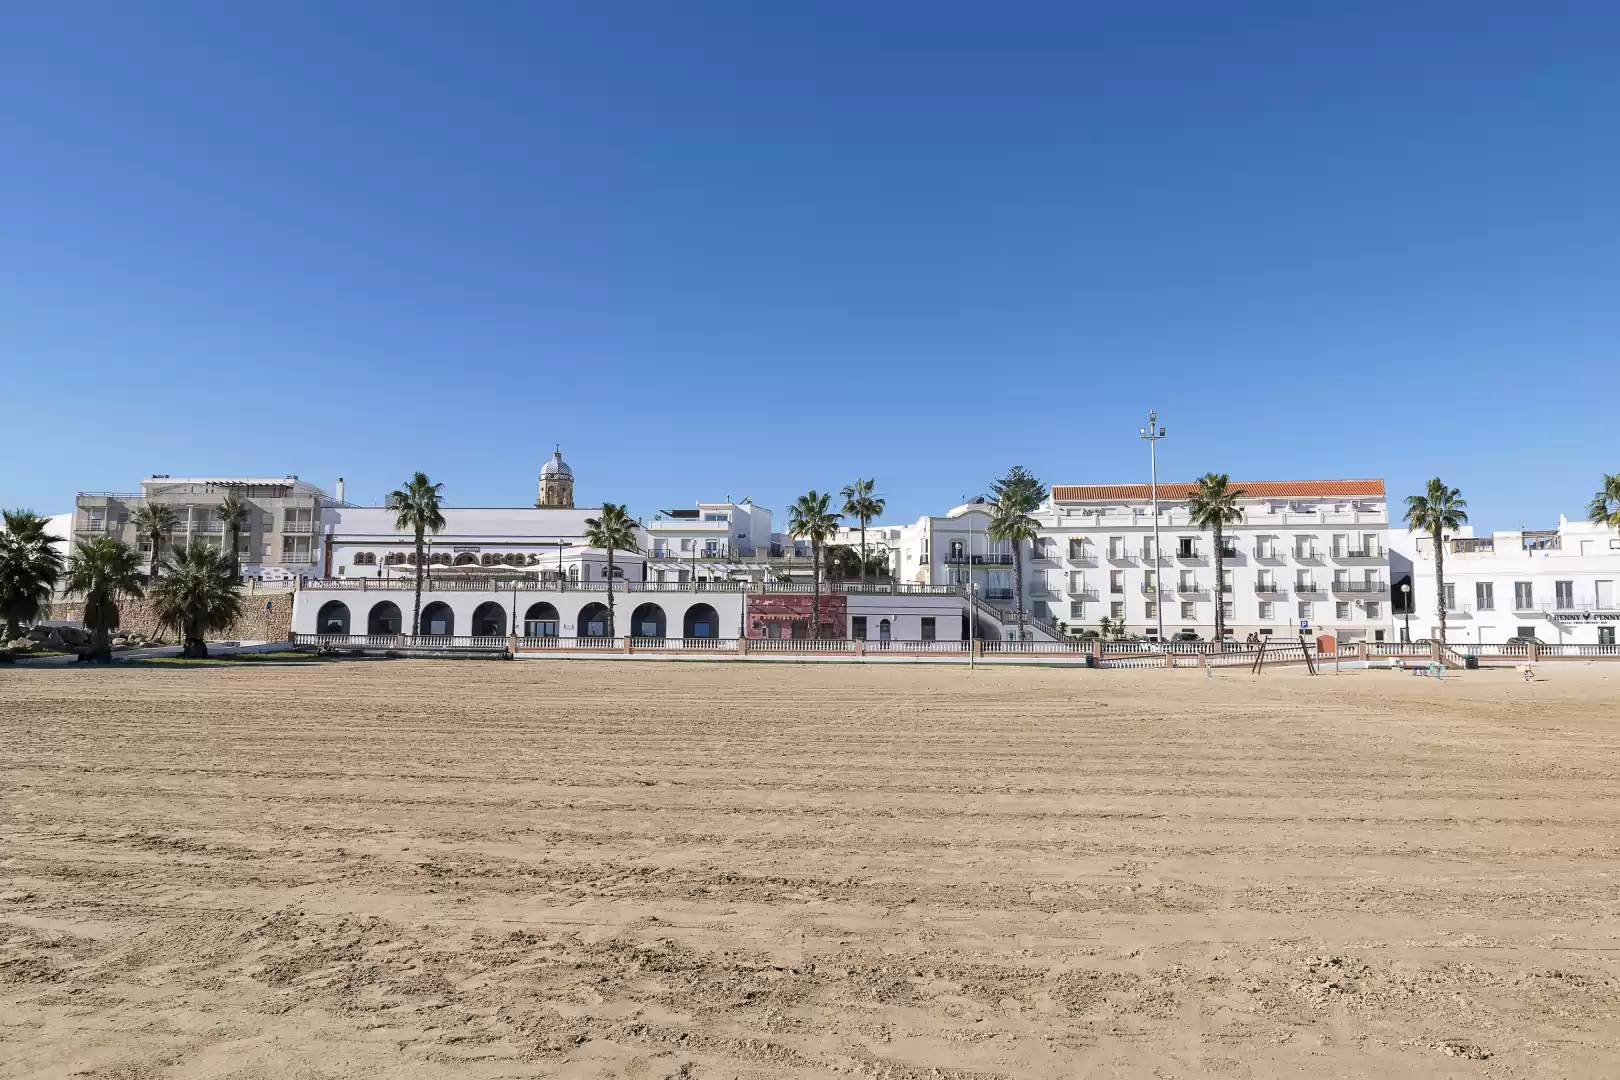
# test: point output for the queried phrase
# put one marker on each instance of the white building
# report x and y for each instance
(1306, 551)
(1555, 585)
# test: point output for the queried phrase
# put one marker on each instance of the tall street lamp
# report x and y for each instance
(1406, 602)
(1153, 433)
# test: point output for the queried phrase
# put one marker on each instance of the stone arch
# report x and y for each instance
(438, 620)
(647, 621)
(384, 618)
(333, 618)
(466, 558)
(593, 620)
(701, 621)
(489, 620)
(885, 629)
(541, 620)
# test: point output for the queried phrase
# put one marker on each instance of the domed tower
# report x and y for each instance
(556, 484)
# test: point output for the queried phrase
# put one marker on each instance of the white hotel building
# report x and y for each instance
(1306, 550)
(1555, 585)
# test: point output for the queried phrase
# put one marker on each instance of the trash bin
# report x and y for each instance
(1470, 663)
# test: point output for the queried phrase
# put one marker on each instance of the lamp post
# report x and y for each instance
(1406, 602)
(1153, 433)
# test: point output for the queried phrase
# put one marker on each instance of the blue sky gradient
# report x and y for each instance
(750, 249)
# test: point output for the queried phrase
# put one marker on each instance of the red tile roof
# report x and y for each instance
(1252, 489)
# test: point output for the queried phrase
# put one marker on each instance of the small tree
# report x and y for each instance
(862, 505)
(1017, 495)
(30, 567)
(1437, 510)
(614, 530)
(810, 518)
(1213, 506)
(197, 597)
(154, 521)
(417, 509)
(233, 511)
(103, 570)
(1605, 505)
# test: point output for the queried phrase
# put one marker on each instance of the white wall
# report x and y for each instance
(905, 614)
(308, 602)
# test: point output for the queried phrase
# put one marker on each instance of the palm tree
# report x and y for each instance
(154, 521)
(103, 568)
(233, 511)
(614, 531)
(810, 518)
(1439, 508)
(1016, 496)
(1213, 505)
(1605, 508)
(197, 596)
(417, 508)
(30, 566)
(862, 505)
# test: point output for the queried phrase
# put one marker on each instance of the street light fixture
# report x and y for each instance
(1153, 433)
(1406, 602)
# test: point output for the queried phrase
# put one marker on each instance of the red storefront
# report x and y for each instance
(787, 615)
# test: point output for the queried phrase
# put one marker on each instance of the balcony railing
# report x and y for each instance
(297, 528)
(1307, 554)
(1122, 556)
(1189, 553)
(1360, 587)
(1307, 587)
(1571, 607)
(998, 594)
(1192, 588)
(1358, 553)
(1268, 588)
(1083, 593)
(994, 558)
(1269, 555)
(295, 558)
(1044, 554)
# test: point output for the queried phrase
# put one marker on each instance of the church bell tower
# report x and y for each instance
(556, 484)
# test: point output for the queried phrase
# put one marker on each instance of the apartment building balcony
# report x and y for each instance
(208, 526)
(1307, 588)
(296, 558)
(1083, 556)
(1153, 592)
(1269, 588)
(1192, 588)
(1307, 555)
(1122, 556)
(1041, 588)
(1192, 554)
(1043, 554)
(1358, 554)
(93, 527)
(1360, 588)
(994, 558)
(1269, 555)
(997, 594)
(1571, 608)
(297, 528)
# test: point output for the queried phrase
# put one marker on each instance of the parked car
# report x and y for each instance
(1525, 641)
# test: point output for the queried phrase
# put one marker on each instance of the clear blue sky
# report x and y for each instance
(754, 248)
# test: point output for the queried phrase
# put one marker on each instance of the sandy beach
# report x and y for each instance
(440, 869)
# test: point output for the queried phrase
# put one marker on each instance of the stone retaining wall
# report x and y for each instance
(258, 622)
